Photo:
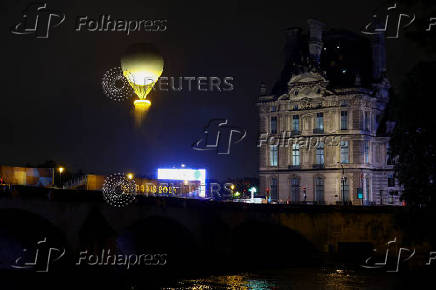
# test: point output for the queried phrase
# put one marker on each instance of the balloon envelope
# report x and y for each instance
(142, 65)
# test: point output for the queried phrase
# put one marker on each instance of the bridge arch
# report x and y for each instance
(258, 243)
(21, 230)
(160, 235)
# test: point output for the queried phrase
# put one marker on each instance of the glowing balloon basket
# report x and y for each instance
(141, 109)
(142, 66)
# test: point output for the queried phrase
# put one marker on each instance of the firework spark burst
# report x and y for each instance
(115, 85)
(119, 190)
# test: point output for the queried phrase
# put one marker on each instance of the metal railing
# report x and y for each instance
(318, 166)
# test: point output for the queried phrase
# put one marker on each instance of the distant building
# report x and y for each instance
(144, 186)
(26, 176)
(321, 135)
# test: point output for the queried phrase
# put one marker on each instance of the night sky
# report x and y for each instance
(53, 107)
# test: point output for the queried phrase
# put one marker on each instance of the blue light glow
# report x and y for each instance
(185, 174)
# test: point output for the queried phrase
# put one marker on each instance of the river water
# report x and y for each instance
(292, 279)
(301, 278)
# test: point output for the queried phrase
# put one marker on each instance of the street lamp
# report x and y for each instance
(130, 176)
(252, 190)
(60, 169)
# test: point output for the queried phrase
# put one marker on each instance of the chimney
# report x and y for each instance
(293, 44)
(378, 56)
(315, 39)
(263, 89)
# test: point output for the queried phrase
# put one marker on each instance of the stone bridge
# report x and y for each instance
(186, 228)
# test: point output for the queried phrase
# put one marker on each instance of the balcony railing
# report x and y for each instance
(317, 166)
(318, 131)
(294, 167)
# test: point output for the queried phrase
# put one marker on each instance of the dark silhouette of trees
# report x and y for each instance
(414, 135)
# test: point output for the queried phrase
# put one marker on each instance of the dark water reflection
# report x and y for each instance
(296, 278)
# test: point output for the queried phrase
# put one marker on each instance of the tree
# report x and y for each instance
(413, 137)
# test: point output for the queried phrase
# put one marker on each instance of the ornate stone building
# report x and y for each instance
(322, 134)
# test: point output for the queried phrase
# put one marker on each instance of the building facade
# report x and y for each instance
(13, 175)
(322, 138)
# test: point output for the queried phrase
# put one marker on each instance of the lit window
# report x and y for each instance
(367, 121)
(366, 151)
(273, 125)
(295, 154)
(296, 123)
(345, 152)
(320, 153)
(320, 121)
(344, 120)
(273, 155)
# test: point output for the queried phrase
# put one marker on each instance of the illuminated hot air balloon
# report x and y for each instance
(142, 66)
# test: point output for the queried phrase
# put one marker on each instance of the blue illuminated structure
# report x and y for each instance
(184, 174)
